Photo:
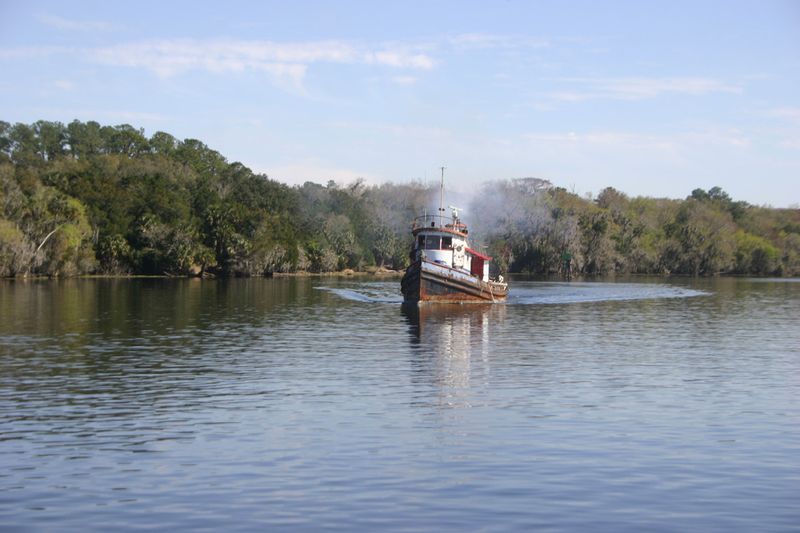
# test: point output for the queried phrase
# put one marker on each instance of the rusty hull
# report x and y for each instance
(419, 285)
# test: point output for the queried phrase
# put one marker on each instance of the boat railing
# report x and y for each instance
(435, 221)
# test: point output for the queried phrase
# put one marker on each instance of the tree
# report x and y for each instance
(202, 159)
(85, 140)
(339, 233)
(52, 139)
(755, 255)
(115, 255)
(126, 140)
(84, 196)
(17, 253)
(163, 143)
(702, 240)
(5, 141)
(597, 248)
(25, 150)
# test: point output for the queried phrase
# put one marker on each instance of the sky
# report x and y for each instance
(651, 98)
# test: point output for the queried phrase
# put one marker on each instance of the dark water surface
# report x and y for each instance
(307, 404)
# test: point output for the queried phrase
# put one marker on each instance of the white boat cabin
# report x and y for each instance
(443, 240)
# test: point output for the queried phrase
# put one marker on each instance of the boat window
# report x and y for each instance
(447, 243)
(432, 242)
(421, 242)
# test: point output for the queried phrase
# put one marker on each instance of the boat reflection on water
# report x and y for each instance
(453, 346)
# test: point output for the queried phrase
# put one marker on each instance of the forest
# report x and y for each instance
(84, 198)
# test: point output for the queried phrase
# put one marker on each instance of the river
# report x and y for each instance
(300, 404)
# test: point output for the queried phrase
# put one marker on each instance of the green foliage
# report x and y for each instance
(5, 142)
(700, 240)
(755, 255)
(529, 224)
(269, 252)
(163, 143)
(596, 243)
(115, 254)
(16, 251)
(85, 198)
(85, 140)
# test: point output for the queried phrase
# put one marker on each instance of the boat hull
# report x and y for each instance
(425, 281)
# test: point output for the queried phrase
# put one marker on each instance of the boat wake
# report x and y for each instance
(533, 293)
(368, 293)
(548, 293)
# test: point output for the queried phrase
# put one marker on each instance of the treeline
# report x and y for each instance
(531, 226)
(86, 198)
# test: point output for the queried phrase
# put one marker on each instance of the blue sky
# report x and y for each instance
(652, 98)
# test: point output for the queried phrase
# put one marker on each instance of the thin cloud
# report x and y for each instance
(790, 144)
(64, 85)
(175, 56)
(61, 23)
(634, 141)
(404, 80)
(606, 139)
(400, 59)
(484, 41)
(133, 116)
(638, 88)
(398, 130)
(788, 113)
(286, 63)
(35, 52)
(171, 58)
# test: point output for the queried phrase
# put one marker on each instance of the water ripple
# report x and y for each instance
(307, 404)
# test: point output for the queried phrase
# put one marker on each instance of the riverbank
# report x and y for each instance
(348, 272)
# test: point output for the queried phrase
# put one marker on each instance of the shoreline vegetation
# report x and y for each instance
(86, 199)
(347, 273)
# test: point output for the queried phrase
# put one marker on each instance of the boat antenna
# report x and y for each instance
(441, 195)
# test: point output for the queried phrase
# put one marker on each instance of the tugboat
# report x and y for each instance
(444, 269)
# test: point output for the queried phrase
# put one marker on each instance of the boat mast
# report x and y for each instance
(441, 197)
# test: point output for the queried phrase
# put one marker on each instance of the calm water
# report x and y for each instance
(307, 404)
